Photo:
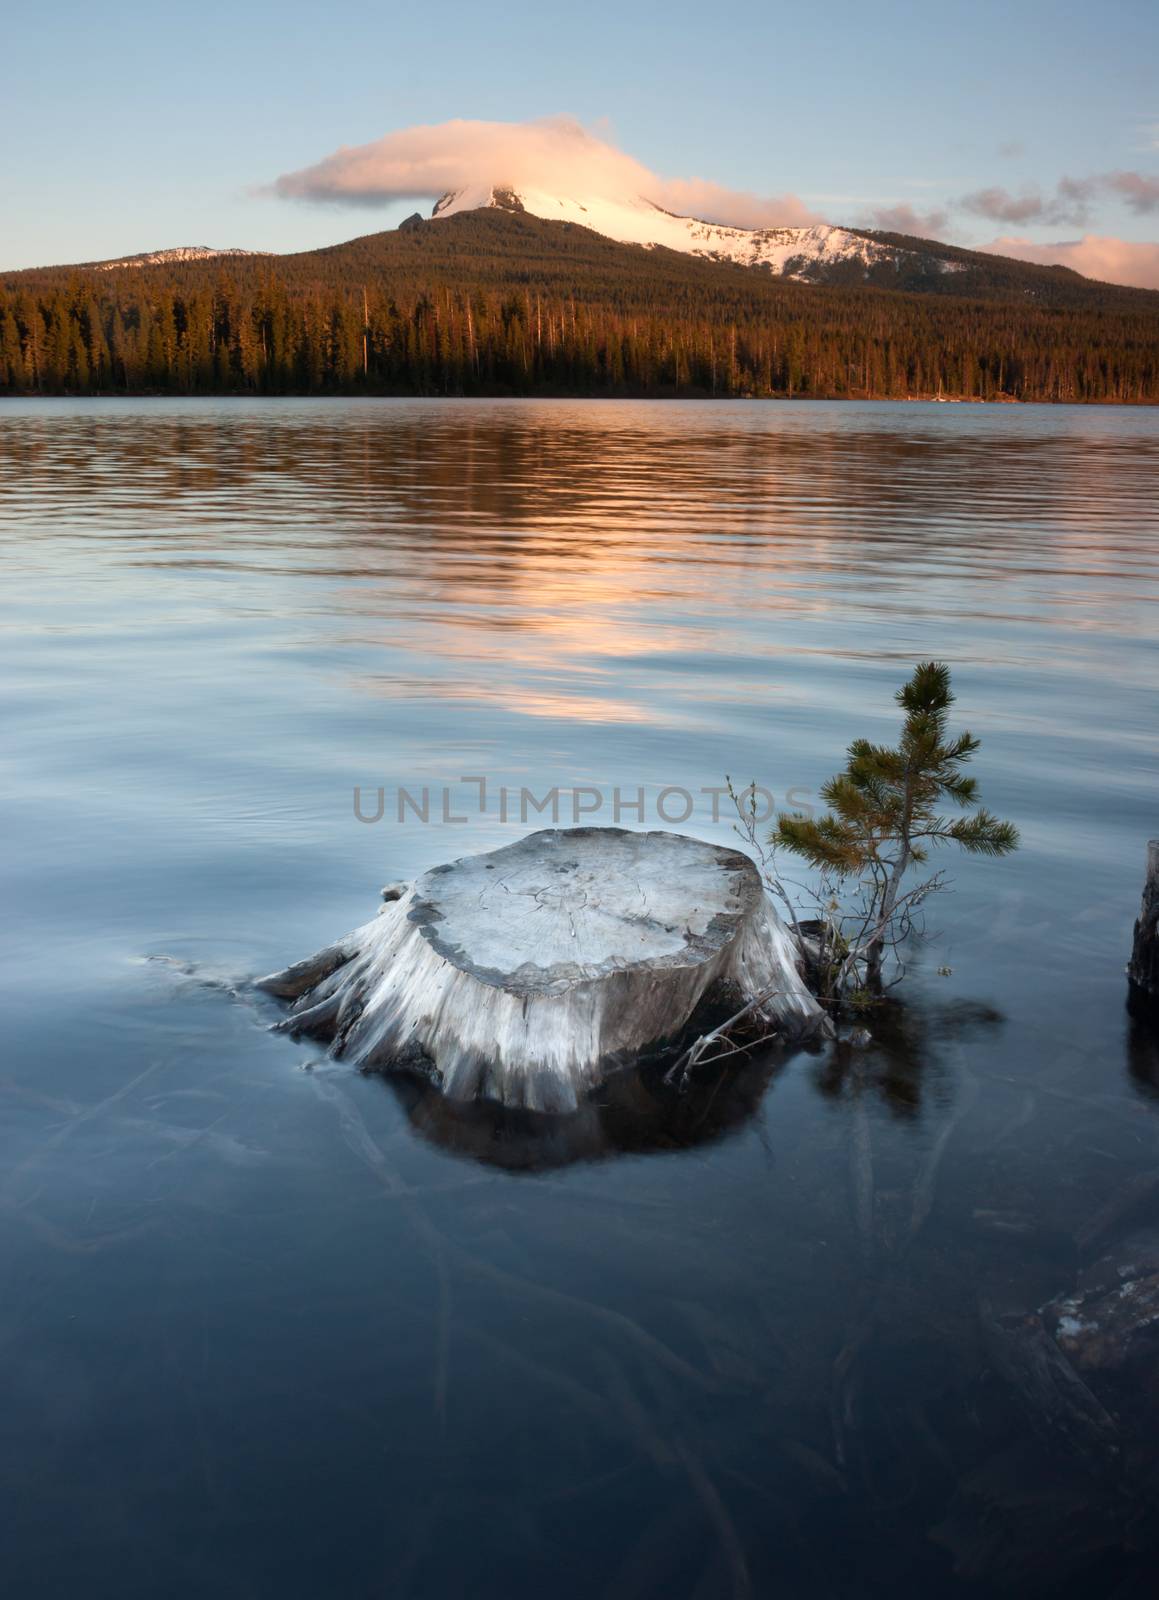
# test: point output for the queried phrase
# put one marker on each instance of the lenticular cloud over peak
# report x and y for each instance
(557, 155)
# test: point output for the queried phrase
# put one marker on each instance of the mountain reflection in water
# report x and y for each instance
(271, 1327)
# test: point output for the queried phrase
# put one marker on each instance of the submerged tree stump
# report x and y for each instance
(528, 974)
(1143, 968)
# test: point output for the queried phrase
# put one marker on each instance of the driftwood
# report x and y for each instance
(1058, 1405)
(528, 974)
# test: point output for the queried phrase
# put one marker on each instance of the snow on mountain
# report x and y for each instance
(633, 219)
(182, 252)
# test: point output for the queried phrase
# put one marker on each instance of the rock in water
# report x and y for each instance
(528, 974)
(1110, 1321)
(1143, 969)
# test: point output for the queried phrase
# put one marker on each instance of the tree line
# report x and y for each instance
(524, 316)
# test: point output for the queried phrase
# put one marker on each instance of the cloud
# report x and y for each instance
(556, 154)
(902, 218)
(999, 205)
(1139, 191)
(1011, 149)
(1067, 206)
(1110, 260)
(712, 202)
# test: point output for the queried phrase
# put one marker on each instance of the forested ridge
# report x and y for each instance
(495, 303)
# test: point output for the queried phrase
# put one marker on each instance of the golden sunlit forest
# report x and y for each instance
(492, 303)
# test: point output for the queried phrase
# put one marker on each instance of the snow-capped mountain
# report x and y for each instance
(181, 252)
(632, 219)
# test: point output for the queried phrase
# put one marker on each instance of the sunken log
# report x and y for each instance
(1058, 1405)
(1143, 968)
(527, 975)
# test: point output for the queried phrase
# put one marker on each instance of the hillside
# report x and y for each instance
(496, 300)
(819, 253)
(492, 245)
(477, 247)
(161, 258)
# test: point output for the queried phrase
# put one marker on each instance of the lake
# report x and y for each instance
(272, 1328)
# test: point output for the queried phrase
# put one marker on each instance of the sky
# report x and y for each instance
(1028, 126)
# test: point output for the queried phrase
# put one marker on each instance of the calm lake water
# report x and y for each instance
(272, 1329)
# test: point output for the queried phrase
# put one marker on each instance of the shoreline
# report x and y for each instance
(570, 395)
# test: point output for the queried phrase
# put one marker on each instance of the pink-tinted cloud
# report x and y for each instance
(1067, 205)
(1070, 203)
(1109, 260)
(1140, 191)
(737, 208)
(557, 154)
(999, 205)
(902, 218)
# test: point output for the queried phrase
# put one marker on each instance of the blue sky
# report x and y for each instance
(132, 126)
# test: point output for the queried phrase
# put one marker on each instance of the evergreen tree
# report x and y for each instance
(885, 816)
(488, 303)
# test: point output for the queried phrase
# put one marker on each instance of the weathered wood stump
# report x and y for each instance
(1143, 968)
(528, 974)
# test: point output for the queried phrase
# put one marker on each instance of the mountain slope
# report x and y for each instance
(490, 236)
(791, 252)
(500, 243)
(161, 258)
(493, 300)
(817, 254)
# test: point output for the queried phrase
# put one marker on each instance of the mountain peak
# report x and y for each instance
(804, 253)
(181, 252)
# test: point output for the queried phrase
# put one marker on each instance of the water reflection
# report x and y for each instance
(524, 554)
(1142, 1039)
(907, 1043)
(269, 1329)
(633, 1113)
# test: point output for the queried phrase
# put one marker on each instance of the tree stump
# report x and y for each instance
(528, 974)
(1143, 968)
